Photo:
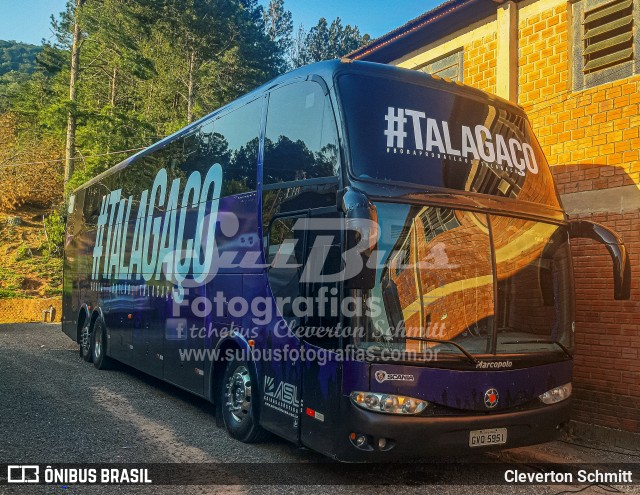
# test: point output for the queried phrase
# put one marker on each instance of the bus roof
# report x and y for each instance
(327, 70)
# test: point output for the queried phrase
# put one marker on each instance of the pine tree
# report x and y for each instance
(278, 25)
(326, 41)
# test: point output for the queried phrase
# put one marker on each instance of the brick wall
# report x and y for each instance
(27, 310)
(607, 371)
(480, 63)
(579, 130)
(592, 141)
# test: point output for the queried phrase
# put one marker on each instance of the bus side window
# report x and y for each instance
(301, 164)
(231, 140)
(301, 139)
(91, 206)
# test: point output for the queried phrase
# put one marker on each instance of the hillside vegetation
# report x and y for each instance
(118, 76)
(30, 265)
(19, 57)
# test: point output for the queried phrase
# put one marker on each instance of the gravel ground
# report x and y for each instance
(55, 408)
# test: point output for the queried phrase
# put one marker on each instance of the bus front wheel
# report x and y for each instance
(239, 401)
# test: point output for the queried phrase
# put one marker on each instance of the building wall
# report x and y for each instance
(591, 138)
(479, 45)
(480, 63)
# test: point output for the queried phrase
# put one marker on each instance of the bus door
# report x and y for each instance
(184, 336)
(299, 183)
(115, 289)
(118, 317)
(320, 332)
(120, 304)
(281, 369)
(304, 258)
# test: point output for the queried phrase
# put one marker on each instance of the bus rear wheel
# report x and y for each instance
(239, 401)
(85, 341)
(99, 346)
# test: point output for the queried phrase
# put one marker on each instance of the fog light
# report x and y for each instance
(382, 443)
(557, 394)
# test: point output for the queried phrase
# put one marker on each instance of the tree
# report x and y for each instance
(122, 74)
(326, 42)
(278, 26)
(18, 57)
(70, 147)
(208, 52)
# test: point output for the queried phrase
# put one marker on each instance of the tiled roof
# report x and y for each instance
(412, 26)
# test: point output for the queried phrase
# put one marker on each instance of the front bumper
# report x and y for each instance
(411, 437)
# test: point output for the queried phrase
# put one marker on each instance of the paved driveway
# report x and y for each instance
(55, 408)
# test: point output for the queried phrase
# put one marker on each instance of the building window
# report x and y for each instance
(449, 66)
(604, 47)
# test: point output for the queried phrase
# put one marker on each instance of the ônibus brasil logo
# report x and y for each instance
(432, 137)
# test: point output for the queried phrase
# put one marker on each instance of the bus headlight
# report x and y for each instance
(557, 394)
(388, 403)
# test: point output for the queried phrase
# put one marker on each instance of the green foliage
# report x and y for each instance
(147, 68)
(326, 42)
(38, 274)
(10, 282)
(278, 26)
(9, 293)
(54, 226)
(37, 184)
(18, 57)
(46, 267)
(23, 252)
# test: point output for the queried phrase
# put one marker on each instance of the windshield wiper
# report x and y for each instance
(541, 341)
(450, 342)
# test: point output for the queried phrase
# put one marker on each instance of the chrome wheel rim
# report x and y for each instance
(238, 394)
(97, 347)
(84, 339)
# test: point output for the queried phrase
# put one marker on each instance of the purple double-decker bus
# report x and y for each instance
(367, 261)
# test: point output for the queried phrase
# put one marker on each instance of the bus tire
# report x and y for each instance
(85, 340)
(99, 346)
(239, 403)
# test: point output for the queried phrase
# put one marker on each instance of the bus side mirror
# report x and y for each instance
(361, 237)
(391, 300)
(617, 251)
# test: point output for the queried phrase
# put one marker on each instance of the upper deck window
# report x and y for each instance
(407, 133)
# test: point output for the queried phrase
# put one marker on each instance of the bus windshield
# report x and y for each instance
(491, 284)
(408, 133)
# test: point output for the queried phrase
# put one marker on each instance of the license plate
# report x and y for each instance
(481, 438)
